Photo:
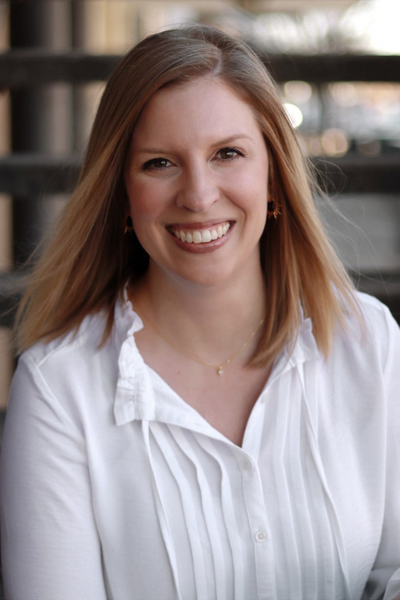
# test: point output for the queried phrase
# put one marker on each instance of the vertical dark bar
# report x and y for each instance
(30, 23)
(77, 29)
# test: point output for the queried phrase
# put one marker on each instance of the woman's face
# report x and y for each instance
(197, 182)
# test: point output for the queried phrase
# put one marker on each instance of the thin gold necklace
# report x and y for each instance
(219, 368)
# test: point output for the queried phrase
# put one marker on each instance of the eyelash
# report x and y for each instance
(152, 163)
(237, 152)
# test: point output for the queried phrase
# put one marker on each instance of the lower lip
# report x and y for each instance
(204, 247)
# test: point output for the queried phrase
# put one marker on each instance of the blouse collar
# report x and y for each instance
(135, 397)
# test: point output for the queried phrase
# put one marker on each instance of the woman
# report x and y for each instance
(204, 407)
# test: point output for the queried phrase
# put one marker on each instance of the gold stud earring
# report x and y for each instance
(128, 224)
(273, 209)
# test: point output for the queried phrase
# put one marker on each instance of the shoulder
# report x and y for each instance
(84, 340)
(373, 309)
(79, 360)
(75, 372)
(381, 328)
(372, 338)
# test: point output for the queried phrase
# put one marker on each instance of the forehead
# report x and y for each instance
(204, 106)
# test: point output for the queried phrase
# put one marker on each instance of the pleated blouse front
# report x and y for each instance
(307, 509)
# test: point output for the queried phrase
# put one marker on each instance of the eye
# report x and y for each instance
(229, 153)
(156, 164)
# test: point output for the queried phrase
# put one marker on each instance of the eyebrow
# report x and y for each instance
(231, 138)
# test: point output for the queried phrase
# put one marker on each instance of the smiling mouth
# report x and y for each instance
(201, 237)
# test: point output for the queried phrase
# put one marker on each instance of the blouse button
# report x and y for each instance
(246, 465)
(260, 536)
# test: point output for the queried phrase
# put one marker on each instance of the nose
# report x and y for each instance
(198, 190)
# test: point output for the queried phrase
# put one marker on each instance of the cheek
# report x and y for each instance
(144, 201)
(251, 192)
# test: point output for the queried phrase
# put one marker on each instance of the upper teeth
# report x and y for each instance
(200, 237)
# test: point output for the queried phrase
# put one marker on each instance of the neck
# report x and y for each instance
(209, 321)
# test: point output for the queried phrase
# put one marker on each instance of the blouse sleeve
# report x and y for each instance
(50, 545)
(384, 581)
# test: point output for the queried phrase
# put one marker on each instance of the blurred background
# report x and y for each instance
(337, 63)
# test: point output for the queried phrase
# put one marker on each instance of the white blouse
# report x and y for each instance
(114, 488)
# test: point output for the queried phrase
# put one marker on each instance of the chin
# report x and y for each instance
(205, 276)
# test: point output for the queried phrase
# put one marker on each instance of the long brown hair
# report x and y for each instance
(85, 267)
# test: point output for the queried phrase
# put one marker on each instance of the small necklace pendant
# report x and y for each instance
(220, 371)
